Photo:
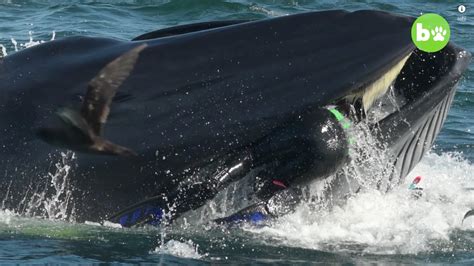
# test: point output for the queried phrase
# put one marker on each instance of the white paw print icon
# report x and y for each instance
(438, 34)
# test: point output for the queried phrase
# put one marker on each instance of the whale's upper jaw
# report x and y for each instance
(231, 84)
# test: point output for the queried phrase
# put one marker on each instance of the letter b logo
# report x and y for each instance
(422, 34)
(430, 33)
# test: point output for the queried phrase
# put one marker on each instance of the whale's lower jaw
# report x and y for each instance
(411, 131)
(414, 145)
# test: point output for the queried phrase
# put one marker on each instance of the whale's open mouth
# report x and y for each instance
(417, 76)
(399, 87)
(407, 106)
(373, 91)
(423, 91)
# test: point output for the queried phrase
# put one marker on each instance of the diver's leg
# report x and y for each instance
(282, 202)
(311, 147)
(191, 194)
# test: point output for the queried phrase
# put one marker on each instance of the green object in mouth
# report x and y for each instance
(345, 122)
(340, 117)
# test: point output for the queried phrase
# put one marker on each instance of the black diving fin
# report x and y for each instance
(467, 215)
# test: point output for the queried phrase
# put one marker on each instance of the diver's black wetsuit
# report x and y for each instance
(311, 146)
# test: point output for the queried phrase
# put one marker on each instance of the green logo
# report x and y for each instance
(430, 33)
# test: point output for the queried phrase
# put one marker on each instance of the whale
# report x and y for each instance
(209, 103)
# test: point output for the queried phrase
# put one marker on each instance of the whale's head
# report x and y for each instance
(204, 91)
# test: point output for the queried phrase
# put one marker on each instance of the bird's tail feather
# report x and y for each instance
(106, 147)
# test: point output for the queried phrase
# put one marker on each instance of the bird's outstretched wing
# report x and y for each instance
(102, 88)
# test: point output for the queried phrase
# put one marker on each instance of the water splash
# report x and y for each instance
(392, 223)
(176, 248)
(32, 43)
(58, 205)
(7, 195)
(53, 200)
(15, 44)
(266, 11)
(25, 45)
(369, 167)
(370, 161)
(385, 105)
(3, 50)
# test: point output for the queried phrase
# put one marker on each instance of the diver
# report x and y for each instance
(315, 146)
(312, 146)
(417, 192)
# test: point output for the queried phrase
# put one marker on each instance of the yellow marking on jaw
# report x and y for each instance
(379, 87)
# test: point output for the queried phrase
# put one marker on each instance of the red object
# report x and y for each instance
(417, 180)
(279, 183)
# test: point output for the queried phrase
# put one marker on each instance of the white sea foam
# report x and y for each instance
(6, 216)
(176, 248)
(392, 223)
(104, 224)
(3, 49)
(266, 11)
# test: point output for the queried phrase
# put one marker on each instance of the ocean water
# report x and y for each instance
(391, 228)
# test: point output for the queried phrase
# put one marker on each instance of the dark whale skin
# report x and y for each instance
(192, 97)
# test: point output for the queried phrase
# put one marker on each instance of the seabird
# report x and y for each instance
(82, 130)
